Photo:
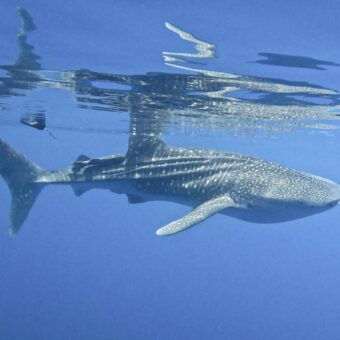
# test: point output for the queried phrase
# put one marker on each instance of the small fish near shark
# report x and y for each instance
(211, 182)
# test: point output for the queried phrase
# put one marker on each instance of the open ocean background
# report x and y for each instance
(91, 267)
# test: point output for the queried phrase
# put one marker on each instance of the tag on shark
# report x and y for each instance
(197, 215)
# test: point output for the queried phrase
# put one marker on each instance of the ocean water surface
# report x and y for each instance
(80, 78)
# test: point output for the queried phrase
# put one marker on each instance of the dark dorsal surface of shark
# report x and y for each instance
(210, 181)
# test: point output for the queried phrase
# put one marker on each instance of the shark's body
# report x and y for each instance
(237, 185)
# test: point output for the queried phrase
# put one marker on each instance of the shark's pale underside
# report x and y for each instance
(211, 182)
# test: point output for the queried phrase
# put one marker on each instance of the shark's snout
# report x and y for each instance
(334, 197)
(321, 193)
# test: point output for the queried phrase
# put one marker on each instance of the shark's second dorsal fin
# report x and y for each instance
(82, 158)
(197, 215)
(145, 147)
(84, 163)
(80, 162)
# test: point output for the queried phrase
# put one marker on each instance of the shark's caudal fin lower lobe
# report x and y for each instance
(20, 174)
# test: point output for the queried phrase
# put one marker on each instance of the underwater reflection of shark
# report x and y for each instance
(237, 185)
(203, 99)
(277, 59)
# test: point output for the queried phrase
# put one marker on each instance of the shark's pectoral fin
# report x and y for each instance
(197, 215)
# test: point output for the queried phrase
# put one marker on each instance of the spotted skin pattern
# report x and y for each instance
(210, 181)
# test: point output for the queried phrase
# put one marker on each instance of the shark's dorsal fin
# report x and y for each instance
(197, 215)
(145, 147)
(133, 199)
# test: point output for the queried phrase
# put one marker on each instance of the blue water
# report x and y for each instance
(91, 267)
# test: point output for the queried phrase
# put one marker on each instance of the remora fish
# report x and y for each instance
(237, 185)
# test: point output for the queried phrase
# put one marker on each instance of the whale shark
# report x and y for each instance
(209, 181)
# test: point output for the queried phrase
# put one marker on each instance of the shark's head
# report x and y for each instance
(320, 193)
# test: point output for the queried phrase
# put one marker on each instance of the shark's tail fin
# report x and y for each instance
(20, 174)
